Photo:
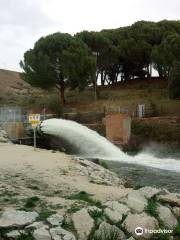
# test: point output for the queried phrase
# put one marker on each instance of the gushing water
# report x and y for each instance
(88, 143)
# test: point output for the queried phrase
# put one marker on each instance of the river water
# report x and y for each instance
(142, 169)
(139, 176)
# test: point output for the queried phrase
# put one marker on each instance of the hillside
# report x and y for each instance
(11, 85)
(153, 93)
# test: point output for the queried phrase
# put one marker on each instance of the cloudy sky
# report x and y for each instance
(22, 22)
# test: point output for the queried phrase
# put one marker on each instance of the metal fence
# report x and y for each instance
(12, 114)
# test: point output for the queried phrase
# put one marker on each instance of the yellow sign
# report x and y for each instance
(34, 119)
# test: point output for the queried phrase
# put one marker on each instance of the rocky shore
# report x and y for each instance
(47, 195)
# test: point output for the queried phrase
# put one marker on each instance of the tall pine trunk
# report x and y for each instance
(62, 88)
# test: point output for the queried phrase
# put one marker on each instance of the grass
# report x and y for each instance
(69, 226)
(74, 208)
(31, 202)
(27, 236)
(104, 164)
(45, 212)
(151, 208)
(106, 234)
(85, 197)
(176, 231)
(154, 96)
(97, 215)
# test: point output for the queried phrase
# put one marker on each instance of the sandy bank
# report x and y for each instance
(21, 166)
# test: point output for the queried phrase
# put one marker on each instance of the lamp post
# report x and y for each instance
(95, 82)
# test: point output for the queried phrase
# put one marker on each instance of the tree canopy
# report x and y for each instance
(122, 54)
(60, 61)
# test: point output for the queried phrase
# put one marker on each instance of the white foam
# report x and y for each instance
(90, 144)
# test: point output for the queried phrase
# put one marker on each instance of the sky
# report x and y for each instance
(23, 22)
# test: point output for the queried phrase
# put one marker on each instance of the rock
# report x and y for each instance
(94, 209)
(170, 198)
(176, 211)
(55, 219)
(97, 173)
(112, 215)
(107, 231)
(118, 207)
(13, 234)
(167, 217)
(61, 234)
(136, 201)
(143, 221)
(42, 234)
(11, 218)
(83, 223)
(37, 225)
(3, 136)
(149, 192)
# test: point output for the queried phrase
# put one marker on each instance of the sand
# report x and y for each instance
(51, 172)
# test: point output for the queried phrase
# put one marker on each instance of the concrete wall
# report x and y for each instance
(118, 128)
(14, 130)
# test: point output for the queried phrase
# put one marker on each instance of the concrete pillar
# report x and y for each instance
(118, 128)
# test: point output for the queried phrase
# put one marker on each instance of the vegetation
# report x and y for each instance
(107, 234)
(174, 83)
(104, 164)
(83, 196)
(56, 61)
(61, 60)
(45, 212)
(31, 202)
(151, 208)
(153, 130)
(176, 231)
(27, 236)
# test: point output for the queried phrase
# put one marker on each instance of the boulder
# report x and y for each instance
(11, 218)
(37, 225)
(176, 211)
(170, 198)
(118, 207)
(149, 192)
(13, 234)
(112, 215)
(55, 219)
(59, 233)
(42, 234)
(107, 231)
(136, 201)
(143, 221)
(167, 217)
(83, 223)
(3, 136)
(97, 173)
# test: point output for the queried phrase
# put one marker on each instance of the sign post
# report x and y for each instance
(35, 139)
(34, 120)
